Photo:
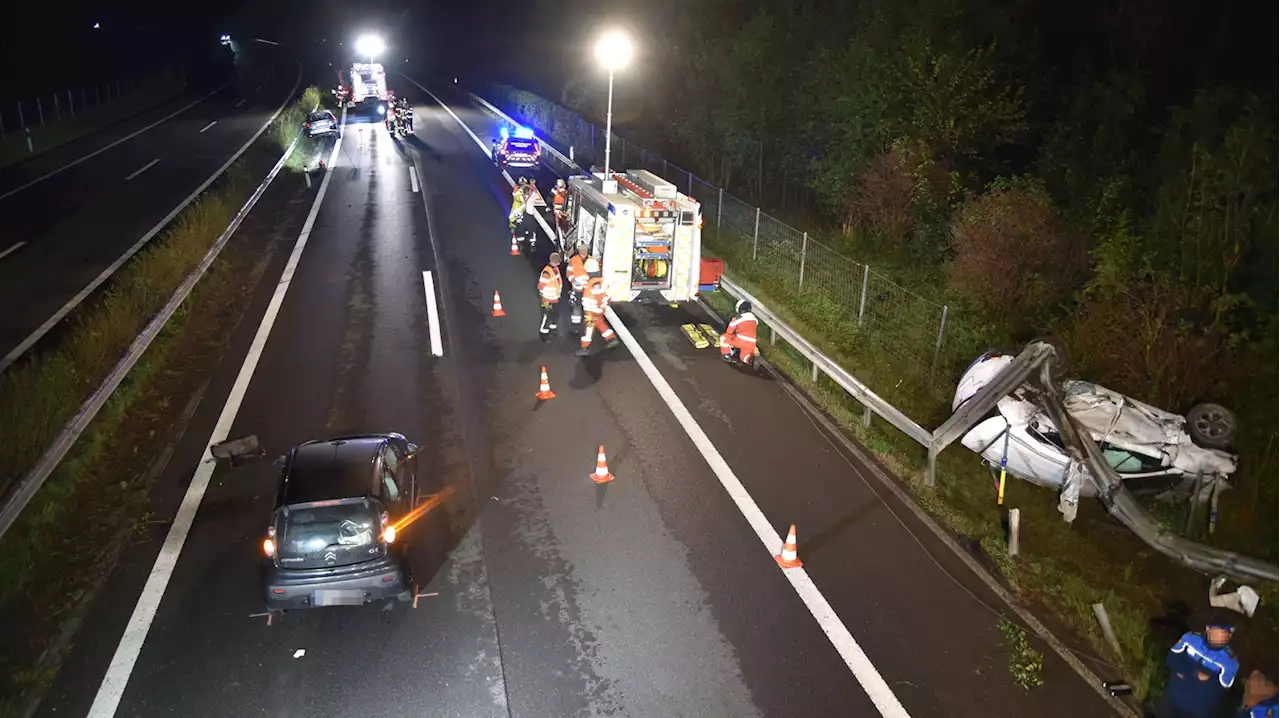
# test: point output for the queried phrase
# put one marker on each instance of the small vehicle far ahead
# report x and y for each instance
(332, 539)
(518, 151)
(321, 122)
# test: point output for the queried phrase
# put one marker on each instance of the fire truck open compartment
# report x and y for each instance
(646, 234)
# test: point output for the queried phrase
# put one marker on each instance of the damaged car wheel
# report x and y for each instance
(1211, 426)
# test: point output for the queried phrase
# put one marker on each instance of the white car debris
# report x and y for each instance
(1146, 446)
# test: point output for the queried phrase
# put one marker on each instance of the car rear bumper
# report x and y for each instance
(520, 163)
(283, 589)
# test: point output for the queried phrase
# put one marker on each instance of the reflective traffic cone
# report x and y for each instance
(544, 387)
(601, 475)
(515, 248)
(789, 558)
(497, 305)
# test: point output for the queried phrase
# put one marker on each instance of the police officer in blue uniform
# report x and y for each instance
(1202, 668)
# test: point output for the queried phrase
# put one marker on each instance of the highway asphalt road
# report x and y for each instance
(547, 594)
(68, 218)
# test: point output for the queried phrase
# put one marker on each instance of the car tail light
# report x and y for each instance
(268, 548)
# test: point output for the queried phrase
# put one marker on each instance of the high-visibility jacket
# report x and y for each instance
(578, 273)
(594, 298)
(558, 197)
(550, 284)
(743, 328)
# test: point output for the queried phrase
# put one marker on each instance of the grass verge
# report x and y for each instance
(64, 543)
(13, 146)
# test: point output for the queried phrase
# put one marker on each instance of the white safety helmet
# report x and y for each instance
(592, 265)
(742, 307)
(560, 183)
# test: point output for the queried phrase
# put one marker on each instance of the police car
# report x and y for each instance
(518, 150)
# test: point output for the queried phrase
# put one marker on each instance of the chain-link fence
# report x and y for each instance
(900, 323)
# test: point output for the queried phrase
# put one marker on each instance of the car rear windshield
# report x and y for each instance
(325, 534)
(520, 146)
(319, 116)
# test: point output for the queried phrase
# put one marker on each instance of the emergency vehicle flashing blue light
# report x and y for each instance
(524, 133)
(503, 131)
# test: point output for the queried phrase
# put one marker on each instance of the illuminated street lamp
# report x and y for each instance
(370, 46)
(613, 50)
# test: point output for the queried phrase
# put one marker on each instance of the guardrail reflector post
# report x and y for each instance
(862, 303)
(719, 208)
(937, 347)
(866, 416)
(755, 243)
(815, 372)
(773, 336)
(1015, 518)
(931, 477)
(804, 250)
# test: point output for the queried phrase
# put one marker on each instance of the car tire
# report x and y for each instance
(1212, 426)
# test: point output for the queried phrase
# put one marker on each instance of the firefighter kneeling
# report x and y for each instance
(594, 302)
(739, 341)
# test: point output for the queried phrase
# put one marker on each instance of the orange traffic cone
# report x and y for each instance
(544, 387)
(497, 305)
(515, 248)
(602, 475)
(789, 558)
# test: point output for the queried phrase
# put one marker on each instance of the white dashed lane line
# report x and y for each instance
(211, 124)
(142, 169)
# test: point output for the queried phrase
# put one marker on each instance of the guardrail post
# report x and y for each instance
(862, 303)
(71, 103)
(719, 208)
(814, 373)
(866, 416)
(755, 243)
(937, 347)
(22, 122)
(804, 251)
(773, 336)
(40, 111)
(931, 476)
(57, 109)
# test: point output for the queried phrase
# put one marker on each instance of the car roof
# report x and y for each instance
(334, 469)
(322, 113)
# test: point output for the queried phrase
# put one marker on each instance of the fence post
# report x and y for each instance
(22, 121)
(755, 243)
(40, 111)
(862, 303)
(804, 251)
(937, 347)
(719, 208)
(57, 109)
(71, 103)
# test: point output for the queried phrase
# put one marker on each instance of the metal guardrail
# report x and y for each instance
(25, 490)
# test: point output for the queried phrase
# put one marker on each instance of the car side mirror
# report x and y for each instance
(413, 450)
(279, 462)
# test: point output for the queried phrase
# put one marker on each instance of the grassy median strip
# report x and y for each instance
(63, 545)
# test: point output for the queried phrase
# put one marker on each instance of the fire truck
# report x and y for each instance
(368, 83)
(647, 235)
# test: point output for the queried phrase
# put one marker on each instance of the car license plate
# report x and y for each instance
(337, 597)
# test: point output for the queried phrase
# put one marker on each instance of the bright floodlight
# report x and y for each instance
(370, 45)
(613, 50)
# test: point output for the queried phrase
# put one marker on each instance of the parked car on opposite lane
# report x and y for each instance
(332, 536)
(321, 122)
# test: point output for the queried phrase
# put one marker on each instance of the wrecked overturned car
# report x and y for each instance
(1150, 449)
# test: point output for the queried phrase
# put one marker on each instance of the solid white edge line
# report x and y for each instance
(240, 104)
(837, 633)
(12, 248)
(433, 315)
(74, 302)
(413, 178)
(144, 168)
(111, 690)
(211, 124)
(126, 138)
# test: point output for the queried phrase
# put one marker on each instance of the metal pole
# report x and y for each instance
(608, 126)
(71, 103)
(22, 122)
(804, 251)
(690, 193)
(815, 373)
(40, 111)
(1015, 519)
(719, 208)
(937, 347)
(862, 303)
(755, 243)
(57, 110)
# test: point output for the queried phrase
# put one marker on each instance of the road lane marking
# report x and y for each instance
(126, 138)
(240, 104)
(837, 633)
(111, 269)
(211, 124)
(433, 315)
(12, 249)
(144, 168)
(413, 178)
(111, 690)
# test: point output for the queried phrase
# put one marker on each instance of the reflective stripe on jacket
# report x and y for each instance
(594, 299)
(550, 284)
(743, 327)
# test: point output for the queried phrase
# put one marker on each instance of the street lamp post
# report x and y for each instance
(613, 50)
